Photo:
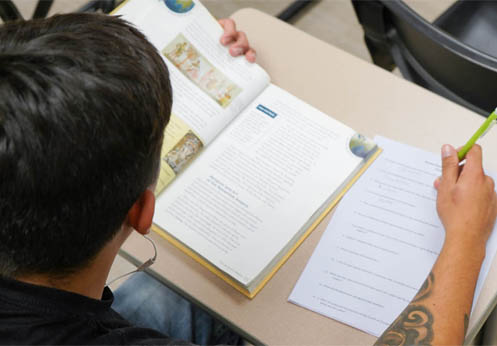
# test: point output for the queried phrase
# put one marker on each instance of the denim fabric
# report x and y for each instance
(148, 303)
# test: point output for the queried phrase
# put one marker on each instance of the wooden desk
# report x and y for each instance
(369, 100)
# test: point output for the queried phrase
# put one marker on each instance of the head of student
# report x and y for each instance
(84, 100)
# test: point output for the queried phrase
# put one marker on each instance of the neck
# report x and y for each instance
(89, 281)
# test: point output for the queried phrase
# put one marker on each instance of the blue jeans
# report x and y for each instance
(148, 303)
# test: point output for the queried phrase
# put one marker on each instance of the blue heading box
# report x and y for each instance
(267, 111)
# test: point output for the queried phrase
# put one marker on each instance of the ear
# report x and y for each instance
(142, 212)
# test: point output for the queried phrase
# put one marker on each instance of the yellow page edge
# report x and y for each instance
(282, 261)
(200, 260)
(118, 7)
(317, 221)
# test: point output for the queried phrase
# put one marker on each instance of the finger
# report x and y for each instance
(493, 196)
(241, 46)
(490, 182)
(230, 33)
(450, 165)
(251, 55)
(436, 183)
(494, 204)
(473, 168)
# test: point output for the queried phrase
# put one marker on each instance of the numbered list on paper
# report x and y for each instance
(381, 243)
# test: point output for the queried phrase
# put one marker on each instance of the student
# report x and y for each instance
(84, 100)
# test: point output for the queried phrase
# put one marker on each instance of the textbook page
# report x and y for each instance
(246, 197)
(381, 243)
(210, 87)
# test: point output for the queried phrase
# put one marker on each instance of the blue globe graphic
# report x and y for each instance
(361, 146)
(179, 6)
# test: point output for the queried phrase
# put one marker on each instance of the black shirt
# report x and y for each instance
(32, 314)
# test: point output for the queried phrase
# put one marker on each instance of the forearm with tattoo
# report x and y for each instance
(414, 326)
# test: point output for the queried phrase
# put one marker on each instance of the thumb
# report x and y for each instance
(473, 167)
(450, 165)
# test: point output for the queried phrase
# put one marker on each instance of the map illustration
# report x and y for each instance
(179, 6)
(361, 146)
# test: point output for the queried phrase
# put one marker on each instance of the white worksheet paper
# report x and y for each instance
(380, 244)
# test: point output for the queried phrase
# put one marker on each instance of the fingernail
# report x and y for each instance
(237, 51)
(225, 39)
(447, 150)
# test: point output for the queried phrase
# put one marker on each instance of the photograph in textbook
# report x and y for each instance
(183, 152)
(200, 71)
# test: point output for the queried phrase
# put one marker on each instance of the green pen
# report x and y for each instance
(487, 125)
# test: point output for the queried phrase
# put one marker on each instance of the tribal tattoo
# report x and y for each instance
(425, 290)
(414, 326)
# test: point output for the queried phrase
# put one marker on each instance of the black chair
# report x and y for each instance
(295, 9)
(456, 56)
(9, 11)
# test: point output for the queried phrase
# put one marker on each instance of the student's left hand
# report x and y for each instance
(236, 40)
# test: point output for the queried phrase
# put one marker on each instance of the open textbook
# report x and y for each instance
(381, 243)
(247, 170)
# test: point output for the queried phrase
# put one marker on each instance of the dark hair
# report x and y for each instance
(84, 100)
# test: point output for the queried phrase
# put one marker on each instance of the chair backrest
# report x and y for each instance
(427, 55)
